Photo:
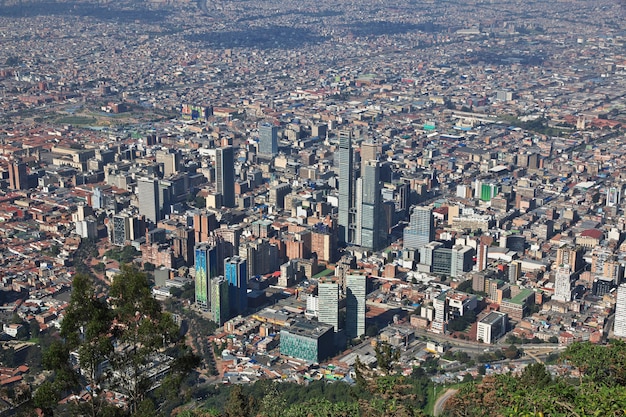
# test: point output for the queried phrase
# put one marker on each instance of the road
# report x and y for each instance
(441, 401)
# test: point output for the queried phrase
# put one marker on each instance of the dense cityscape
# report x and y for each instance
(199, 198)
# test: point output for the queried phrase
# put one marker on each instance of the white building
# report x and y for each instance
(492, 327)
(619, 328)
(563, 284)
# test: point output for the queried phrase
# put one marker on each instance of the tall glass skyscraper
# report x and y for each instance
(356, 290)
(219, 300)
(346, 187)
(370, 221)
(268, 139)
(236, 274)
(225, 175)
(206, 267)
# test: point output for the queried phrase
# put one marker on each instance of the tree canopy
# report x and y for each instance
(599, 391)
(123, 342)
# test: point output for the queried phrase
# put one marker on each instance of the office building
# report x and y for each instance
(225, 175)
(268, 139)
(18, 178)
(203, 224)
(619, 327)
(236, 274)
(310, 341)
(370, 226)
(563, 284)
(421, 228)
(328, 300)
(369, 152)
(613, 196)
(482, 256)
(148, 197)
(356, 291)
(206, 268)
(170, 160)
(572, 256)
(492, 327)
(219, 300)
(346, 187)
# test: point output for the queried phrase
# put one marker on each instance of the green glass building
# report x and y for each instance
(311, 341)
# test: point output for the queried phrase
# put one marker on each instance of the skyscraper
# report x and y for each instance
(563, 284)
(18, 178)
(619, 327)
(219, 300)
(206, 267)
(225, 175)
(328, 303)
(236, 274)
(421, 228)
(356, 289)
(346, 187)
(369, 214)
(268, 139)
(148, 196)
(481, 256)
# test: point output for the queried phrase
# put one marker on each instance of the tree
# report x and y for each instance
(141, 330)
(34, 329)
(238, 404)
(129, 335)
(46, 397)
(386, 357)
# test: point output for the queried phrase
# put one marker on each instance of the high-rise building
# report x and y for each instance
(219, 300)
(236, 274)
(225, 175)
(613, 196)
(148, 197)
(369, 152)
(262, 257)
(481, 256)
(619, 327)
(18, 178)
(572, 256)
(420, 230)
(563, 284)
(346, 187)
(328, 304)
(170, 159)
(462, 260)
(268, 139)
(206, 268)
(370, 230)
(120, 232)
(356, 291)
(203, 224)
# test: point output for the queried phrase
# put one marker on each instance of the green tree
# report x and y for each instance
(46, 397)
(141, 330)
(238, 404)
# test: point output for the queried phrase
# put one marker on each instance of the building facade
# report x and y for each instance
(328, 304)
(356, 291)
(206, 260)
(225, 175)
(236, 274)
